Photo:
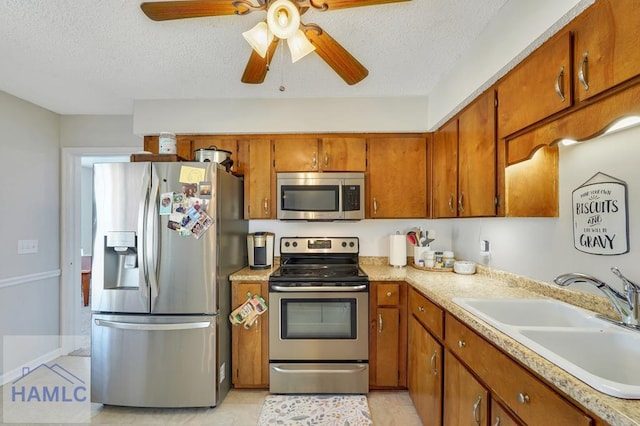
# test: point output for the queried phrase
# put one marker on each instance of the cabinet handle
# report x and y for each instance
(266, 206)
(375, 206)
(314, 160)
(559, 80)
(451, 203)
(523, 398)
(257, 328)
(434, 367)
(582, 72)
(388, 294)
(326, 159)
(497, 423)
(462, 344)
(379, 323)
(421, 308)
(476, 410)
(460, 202)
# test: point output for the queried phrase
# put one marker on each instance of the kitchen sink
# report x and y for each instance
(601, 354)
(530, 312)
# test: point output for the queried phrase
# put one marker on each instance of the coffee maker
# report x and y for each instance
(260, 247)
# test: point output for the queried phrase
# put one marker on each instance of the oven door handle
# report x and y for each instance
(285, 370)
(319, 289)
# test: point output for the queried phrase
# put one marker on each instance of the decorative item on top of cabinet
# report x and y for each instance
(425, 358)
(329, 154)
(537, 88)
(183, 147)
(464, 162)
(226, 143)
(388, 335)
(397, 177)
(250, 347)
(606, 46)
(258, 180)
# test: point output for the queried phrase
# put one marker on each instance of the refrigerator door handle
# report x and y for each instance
(152, 327)
(151, 234)
(142, 225)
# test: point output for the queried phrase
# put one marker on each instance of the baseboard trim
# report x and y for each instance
(17, 372)
(24, 279)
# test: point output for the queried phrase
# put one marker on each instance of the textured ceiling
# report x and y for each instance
(98, 56)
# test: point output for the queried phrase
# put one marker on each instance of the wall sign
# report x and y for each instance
(600, 224)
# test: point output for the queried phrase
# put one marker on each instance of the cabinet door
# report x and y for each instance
(425, 373)
(343, 155)
(397, 185)
(445, 171)
(501, 417)
(477, 158)
(606, 46)
(465, 399)
(539, 87)
(250, 350)
(387, 344)
(258, 202)
(296, 155)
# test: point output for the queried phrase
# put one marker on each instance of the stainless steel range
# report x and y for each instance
(319, 318)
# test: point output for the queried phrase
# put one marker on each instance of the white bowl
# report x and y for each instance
(464, 267)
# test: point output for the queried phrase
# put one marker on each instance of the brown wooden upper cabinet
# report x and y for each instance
(258, 180)
(537, 88)
(397, 177)
(334, 154)
(464, 162)
(606, 46)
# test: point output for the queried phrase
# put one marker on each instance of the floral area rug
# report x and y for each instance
(327, 410)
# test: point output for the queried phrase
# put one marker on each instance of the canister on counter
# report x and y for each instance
(448, 259)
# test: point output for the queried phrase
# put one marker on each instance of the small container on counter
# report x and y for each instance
(448, 259)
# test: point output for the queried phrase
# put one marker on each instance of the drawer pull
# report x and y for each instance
(523, 398)
(388, 294)
(476, 410)
(421, 308)
(462, 344)
(434, 367)
(497, 423)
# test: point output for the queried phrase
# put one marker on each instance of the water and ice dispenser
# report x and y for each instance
(120, 260)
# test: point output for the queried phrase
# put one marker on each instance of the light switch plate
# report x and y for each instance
(27, 246)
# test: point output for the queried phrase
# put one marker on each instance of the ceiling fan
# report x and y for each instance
(283, 22)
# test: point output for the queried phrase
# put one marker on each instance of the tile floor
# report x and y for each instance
(239, 408)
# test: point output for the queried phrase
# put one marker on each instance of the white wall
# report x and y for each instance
(29, 172)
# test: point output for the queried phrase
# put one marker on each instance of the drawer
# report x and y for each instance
(526, 395)
(427, 312)
(388, 294)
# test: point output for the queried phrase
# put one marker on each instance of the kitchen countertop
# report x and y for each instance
(441, 287)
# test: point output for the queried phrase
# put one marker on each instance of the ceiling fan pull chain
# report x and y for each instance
(282, 88)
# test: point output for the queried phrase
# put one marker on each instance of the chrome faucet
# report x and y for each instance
(626, 304)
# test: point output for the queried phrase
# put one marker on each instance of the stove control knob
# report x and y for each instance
(295, 244)
(287, 244)
(344, 244)
(351, 244)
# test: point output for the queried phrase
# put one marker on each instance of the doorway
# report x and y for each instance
(76, 221)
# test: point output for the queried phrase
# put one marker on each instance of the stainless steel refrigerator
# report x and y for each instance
(166, 238)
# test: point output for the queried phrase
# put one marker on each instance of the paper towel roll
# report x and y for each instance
(397, 250)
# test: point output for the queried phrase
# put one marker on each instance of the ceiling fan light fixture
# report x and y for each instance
(259, 38)
(299, 46)
(283, 18)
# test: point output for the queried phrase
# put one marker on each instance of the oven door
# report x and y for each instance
(319, 325)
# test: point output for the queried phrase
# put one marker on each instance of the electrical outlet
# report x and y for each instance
(484, 247)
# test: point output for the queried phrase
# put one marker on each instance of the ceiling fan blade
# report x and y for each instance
(344, 4)
(167, 10)
(257, 67)
(337, 57)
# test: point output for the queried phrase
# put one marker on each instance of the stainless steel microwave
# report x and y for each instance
(320, 196)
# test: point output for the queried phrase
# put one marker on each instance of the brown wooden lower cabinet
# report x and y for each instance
(424, 374)
(466, 400)
(250, 347)
(388, 335)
